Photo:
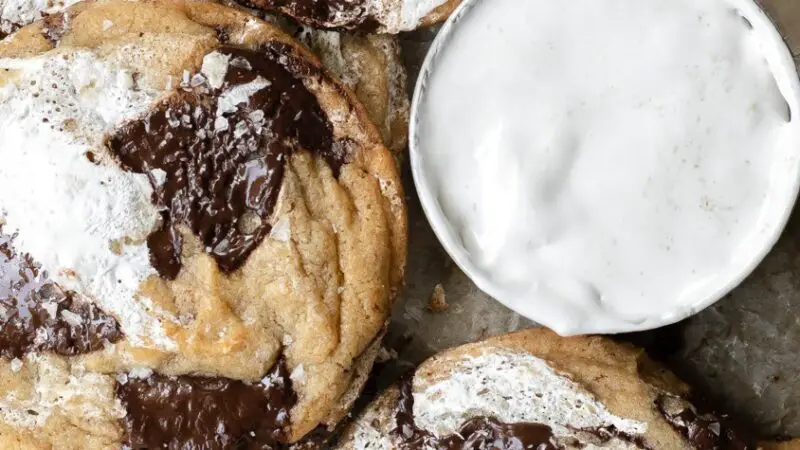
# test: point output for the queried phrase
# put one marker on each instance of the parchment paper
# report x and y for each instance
(744, 351)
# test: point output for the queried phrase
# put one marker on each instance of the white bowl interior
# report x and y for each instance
(781, 201)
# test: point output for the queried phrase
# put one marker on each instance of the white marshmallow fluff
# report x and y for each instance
(607, 165)
(514, 388)
(16, 13)
(65, 210)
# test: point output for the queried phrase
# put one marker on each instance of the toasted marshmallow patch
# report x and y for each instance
(513, 388)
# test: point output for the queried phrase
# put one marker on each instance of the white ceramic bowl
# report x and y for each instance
(784, 197)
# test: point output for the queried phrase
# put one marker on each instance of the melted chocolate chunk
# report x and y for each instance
(703, 430)
(477, 434)
(37, 315)
(222, 154)
(189, 412)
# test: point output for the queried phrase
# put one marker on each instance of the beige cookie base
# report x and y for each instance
(326, 291)
(620, 376)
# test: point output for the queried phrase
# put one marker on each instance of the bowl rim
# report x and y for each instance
(438, 222)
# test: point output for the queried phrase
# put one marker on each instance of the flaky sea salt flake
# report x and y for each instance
(220, 124)
(140, 372)
(215, 67)
(281, 231)
(51, 308)
(197, 80)
(71, 318)
(298, 374)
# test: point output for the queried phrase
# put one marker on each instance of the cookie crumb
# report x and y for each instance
(387, 354)
(71, 318)
(159, 175)
(438, 300)
(107, 24)
(51, 308)
(281, 231)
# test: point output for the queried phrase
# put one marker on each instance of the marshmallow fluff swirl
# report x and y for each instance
(62, 207)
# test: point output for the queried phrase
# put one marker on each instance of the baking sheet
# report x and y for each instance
(744, 351)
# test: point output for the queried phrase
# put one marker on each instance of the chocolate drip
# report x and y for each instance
(37, 315)
(703, 430)
(190, 412)
(224, 163)
(477, 434)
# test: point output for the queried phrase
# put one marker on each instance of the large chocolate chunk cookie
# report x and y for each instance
(203, 233)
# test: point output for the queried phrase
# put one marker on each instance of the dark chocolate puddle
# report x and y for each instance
(223, 170)
(191, 412)
(704, 430)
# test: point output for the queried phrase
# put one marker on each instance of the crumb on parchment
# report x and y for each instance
(438, 300)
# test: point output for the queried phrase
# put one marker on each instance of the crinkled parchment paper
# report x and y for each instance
(744, 351)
